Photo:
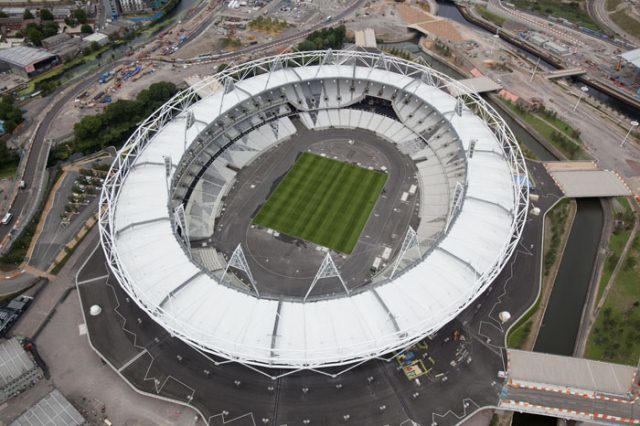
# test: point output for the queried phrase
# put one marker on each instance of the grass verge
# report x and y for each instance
(556, 131)
(324, 201)
(69, 252)
(574, 11)
(490, 16)
(626, 22)
(615, 336)
(625, 220)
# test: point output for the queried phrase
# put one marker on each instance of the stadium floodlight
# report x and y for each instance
(238, 261)
(328, 269)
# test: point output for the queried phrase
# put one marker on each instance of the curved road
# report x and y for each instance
(598, 11)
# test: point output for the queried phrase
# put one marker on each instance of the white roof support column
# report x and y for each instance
(455, 205)
(410, 241)
(328, 269)
(238, 261)
(180, 220)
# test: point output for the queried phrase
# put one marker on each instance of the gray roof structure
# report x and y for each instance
(14, 362)
(568, 372)
(22, 55)
(52, 410)
(632, 56)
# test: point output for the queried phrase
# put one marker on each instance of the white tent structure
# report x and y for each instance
(477, 194)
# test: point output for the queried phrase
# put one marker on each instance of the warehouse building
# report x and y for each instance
(27, 61)
(18, 371)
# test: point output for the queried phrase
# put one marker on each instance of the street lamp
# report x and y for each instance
(634, 124)
(584, 90)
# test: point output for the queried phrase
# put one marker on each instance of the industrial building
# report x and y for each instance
(53, 409)
(27, 61)
(18, 371)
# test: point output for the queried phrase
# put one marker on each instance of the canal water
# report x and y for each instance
(562, 318)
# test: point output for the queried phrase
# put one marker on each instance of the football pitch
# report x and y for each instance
(324, 201)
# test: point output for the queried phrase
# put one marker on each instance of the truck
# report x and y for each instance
(105, 77)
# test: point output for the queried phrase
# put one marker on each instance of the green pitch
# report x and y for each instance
(324, 201)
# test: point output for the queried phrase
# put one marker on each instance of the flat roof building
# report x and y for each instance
(99, 38)
(52, 410)
(28, 61)
(55, 40)
(18, 371)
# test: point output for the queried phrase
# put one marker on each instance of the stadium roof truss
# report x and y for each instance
(144, 252)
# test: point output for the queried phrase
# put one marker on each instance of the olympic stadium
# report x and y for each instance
(314, 209)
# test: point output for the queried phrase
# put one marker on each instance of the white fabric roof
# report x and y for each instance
(229, 322)
(632, 56)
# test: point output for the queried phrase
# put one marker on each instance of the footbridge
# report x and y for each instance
(567, 72)
(480, 84)
(580, 179)
(571, 388)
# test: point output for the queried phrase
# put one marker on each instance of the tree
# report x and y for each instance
(10, 113)
(3, 15)
(34, 34)
(46, 15)
(49, 29)
(27, 15)
(70, 21)
(80, 16)
(95, 46)
(86, 29)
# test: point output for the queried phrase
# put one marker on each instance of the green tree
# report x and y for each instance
(86, 29)
(95, 46)
(10, 113)
(70, 21)
(46, 15)
(49, 29)
(34, 34)
(80, 16)
(27, 15)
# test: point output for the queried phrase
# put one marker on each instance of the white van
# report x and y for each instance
(6, 219)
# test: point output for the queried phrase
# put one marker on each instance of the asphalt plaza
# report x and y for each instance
(324, 201)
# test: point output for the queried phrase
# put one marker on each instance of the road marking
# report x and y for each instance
(132, 360)
(90, 280)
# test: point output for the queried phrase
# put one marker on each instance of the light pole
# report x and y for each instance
(634, 124)
(584, 89)
(533, 74)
